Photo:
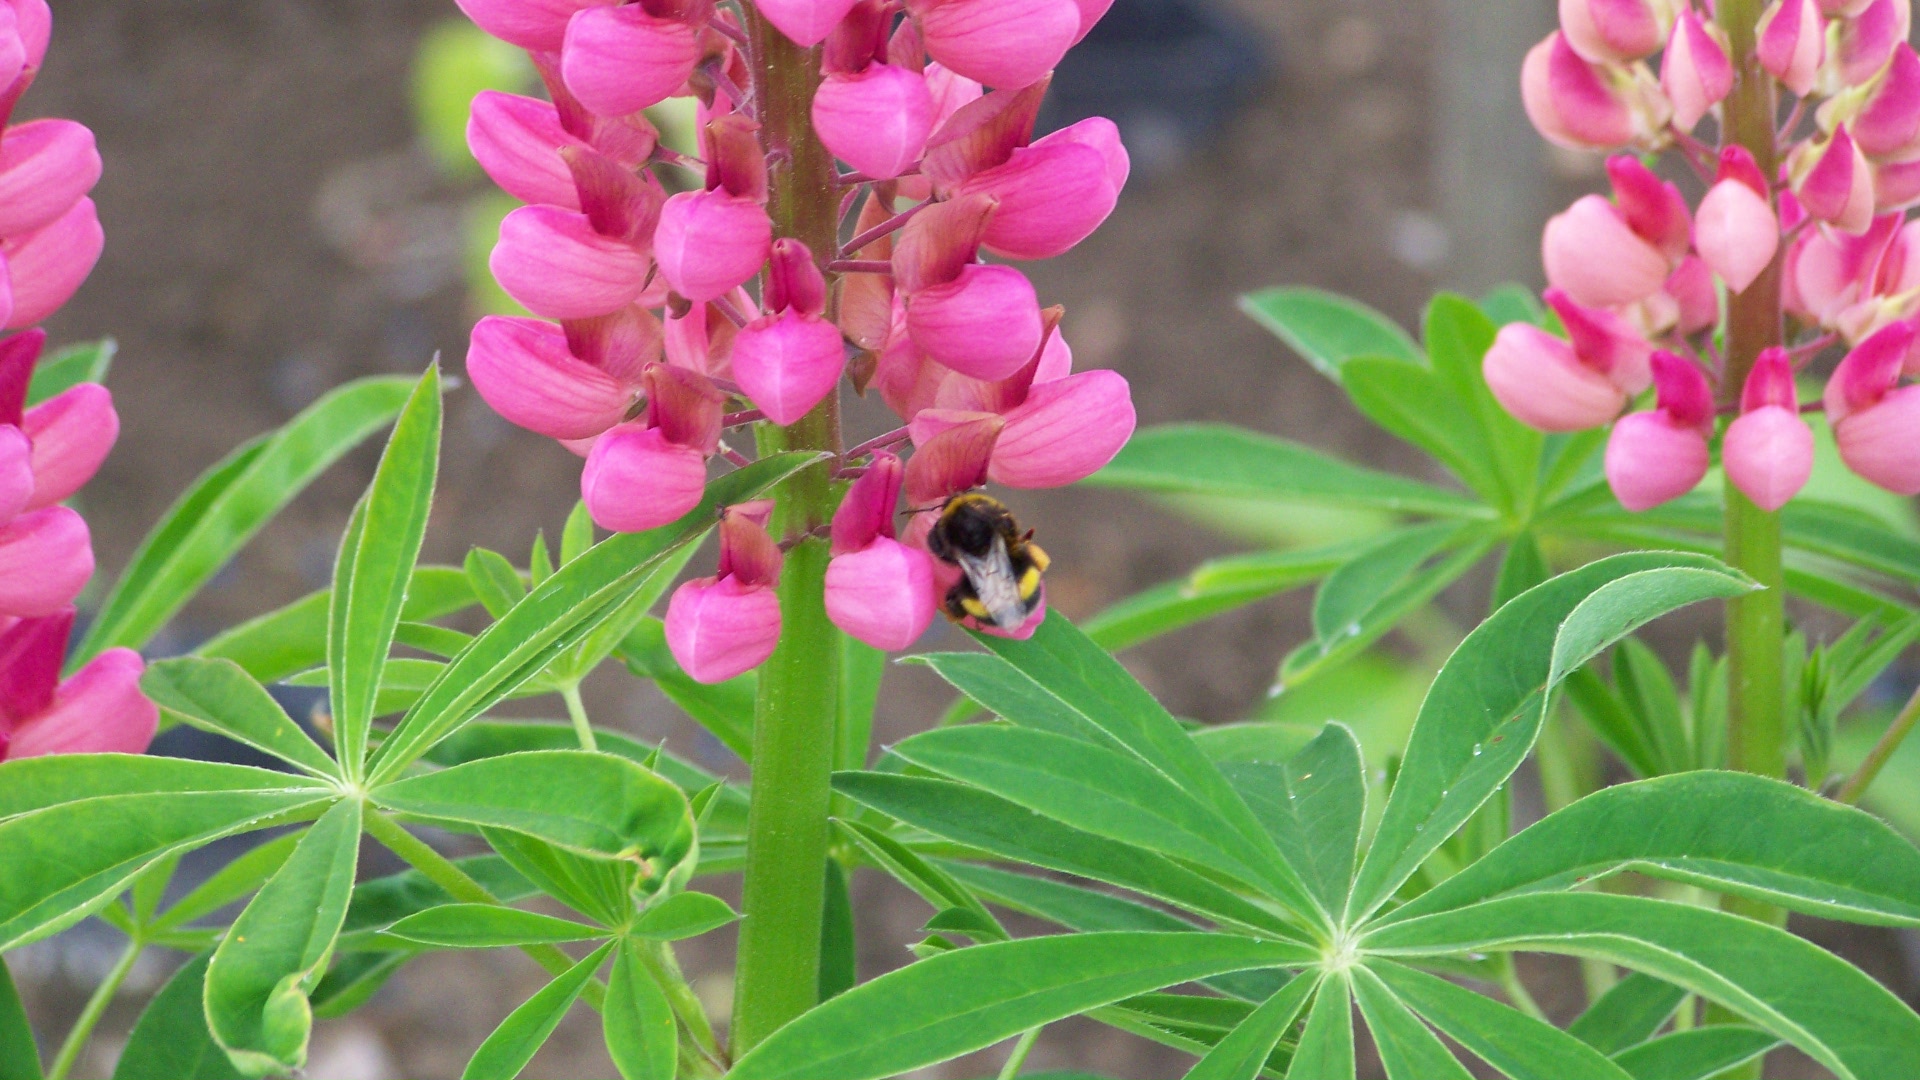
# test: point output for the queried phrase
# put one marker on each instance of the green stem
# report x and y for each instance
(1517, 992)
(443, 872)
(1018, 1058)
(1877, 758)
(793, 721)
(699, 1050)
(577, 712)
(103, 996)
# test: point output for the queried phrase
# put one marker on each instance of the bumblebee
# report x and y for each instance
(1000, 566)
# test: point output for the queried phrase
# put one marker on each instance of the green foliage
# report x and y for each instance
(513, 1043)
(170, 1041)
(67, 368)
(19, 1057)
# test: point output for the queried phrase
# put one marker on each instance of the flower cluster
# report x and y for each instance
(665, 318)
(49, 240)
(1634, 277)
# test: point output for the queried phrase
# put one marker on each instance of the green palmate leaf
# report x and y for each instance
(1645, 685)
(725, 709)
(488, 926)
(36, 783)
(1628, 1014)
(1363, 581)
(1213, 588)
(1412, 401)
(376, 562)
(614, 632)
(231, 882)
(19, 1056)
(1509, 1040)
(258, 980)
(683, 915)
(1407, 1049)
(1084, 678)
(1484, 709)
(577, 535)
(1511, 303)
(495, 581)
(592, 804)
(1414, 592)
(1089, 787)
(839, 939)
(962, 1001)
(1326, 1043)
(1313, 805)
(1243, 1052)
(1829, 1009)
(218, 696)
(637, 1021)
(229, 504)
(170, 1041)
(1522, 566)
(929, 882)
(1458, 335)
(294, 638)
(1853, 537)
(601, 889)
(558, 614)
(1696, 1054)
(1219, 459)
(69, 367)
(429, 638)
(65, 861)
(1057, 902)
(1327, 329)
(981, 820)
(513, 1043)
(1731, 832)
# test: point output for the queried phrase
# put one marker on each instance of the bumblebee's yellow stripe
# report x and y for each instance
(975, 608)
(1030, 582)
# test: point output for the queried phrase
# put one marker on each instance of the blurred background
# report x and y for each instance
(288, 205)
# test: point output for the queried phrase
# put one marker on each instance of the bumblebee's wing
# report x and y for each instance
(995, 583)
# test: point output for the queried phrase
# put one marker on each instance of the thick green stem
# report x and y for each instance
(1877, 758)
(443, 872)
(96, 1007)
(793, 722)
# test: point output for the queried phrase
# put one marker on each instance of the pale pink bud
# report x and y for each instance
(1656, 456)
(709, 242)
(877, 120)
(1617, 30)
(1695, 72)
(1768, 449)
(45, 167)
(16, 471)
(984, 323)
(539, 25)
(1868, 372)
(100, 710)
(1653, 208)
(517, 140)
(1736, 230)
(524, 369)
(1002, 43)
(553, 262)
(46, 557)
(1592, 253)
(1865, 42)
(882, 594)
(1579, 104)
(805, 22)
(619, 60)
(1792, 43)
(636, 479)
(46, 267)
(1064, 432)
(788, 363)
(1834, 182)
(1889, 119)
(1538, 378)
(1049, 199)
(950, 92)
(72, 433)
(721, 628)
(1605, 342)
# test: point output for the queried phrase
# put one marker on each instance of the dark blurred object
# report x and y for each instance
(1168, 72)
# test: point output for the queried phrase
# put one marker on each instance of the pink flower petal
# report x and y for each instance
(46, 557)
(517, 140)
(1536, 377)
(984, 323)
(540, 25)
(523, 368)
(636, 480)
(1064, 432)
(1768, 455)
(789, 364)
(1651, 460)
(100, 710)
(46, 267)
(881, 594)
(877, 120)
(553, 262)
(710, 242)
(72, 434)
(1002, 43)
(45, 167)
(619, 60)
(718, 629)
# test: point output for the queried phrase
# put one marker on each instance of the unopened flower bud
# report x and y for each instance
(1791, 44)
(1768, 449)
(524, 369)
(1735, 229)
(1653, 457)
(1616, 30)
(517, 141)
(1583, 105)
(720, 628)
(1833, 181)
(788, 363)
(45, 167)
(619, 60)
(1541, 381)
(709, 242)
(556, 265)
(99, 710)
(72, 433)
(876, 120)
(882, 594)
(1695, 72)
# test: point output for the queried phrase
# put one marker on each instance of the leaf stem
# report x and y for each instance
(96, 1007)
(1018, 1058)
(1877, 758)
(577, 712)
(1517, 992)
(443, 872)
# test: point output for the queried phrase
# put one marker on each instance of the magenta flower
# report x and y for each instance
(538, 25)
(1002, 43)
(1873, 417)
(876, 119)
(556, 264)
(728, 624)
(1888, 121)
(526, 371)
(99, 710)
(1577, 103)
(1656, 456)
(1695, 73)
(878, 590)
(1768, 449)
(1736, 230)
(46, 557)
(649, 472)
(1792, 43)
(46, 166)
(1833, 181)
(45, 267)
(790, 359)
(619, 60)
(1581, 382)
